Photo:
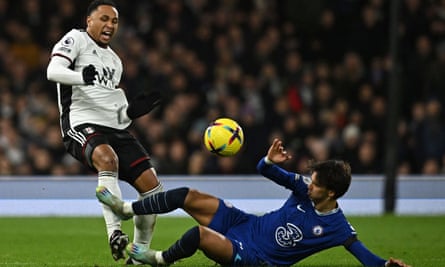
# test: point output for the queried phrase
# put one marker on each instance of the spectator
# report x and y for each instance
(248, 60)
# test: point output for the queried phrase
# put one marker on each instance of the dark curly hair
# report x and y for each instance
(335, 175)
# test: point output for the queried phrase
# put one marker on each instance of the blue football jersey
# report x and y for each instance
(290, 233)
(296, 230)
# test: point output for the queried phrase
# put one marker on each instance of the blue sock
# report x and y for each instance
(161, 202)
(184, 247)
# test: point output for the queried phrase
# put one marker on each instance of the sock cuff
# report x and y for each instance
(158, 188)
(159, 257)
(178, 196)
(103, 174)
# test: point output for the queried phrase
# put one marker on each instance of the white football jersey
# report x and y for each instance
(99, 103)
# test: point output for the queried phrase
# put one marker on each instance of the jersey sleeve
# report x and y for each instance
(290, 180)
(366, 257)
(63, 56)
(69, 46)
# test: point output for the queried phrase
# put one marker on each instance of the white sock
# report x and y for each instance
(127, 208)
(144, 224)
(159, 258)
(109, 180)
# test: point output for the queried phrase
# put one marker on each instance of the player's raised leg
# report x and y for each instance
(212, 243)
(200, 206)
(186, 246)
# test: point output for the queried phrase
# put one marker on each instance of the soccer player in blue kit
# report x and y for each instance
(309, 221)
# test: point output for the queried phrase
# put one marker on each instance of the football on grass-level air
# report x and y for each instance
(224, 137)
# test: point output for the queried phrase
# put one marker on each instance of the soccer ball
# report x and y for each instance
(224, 137)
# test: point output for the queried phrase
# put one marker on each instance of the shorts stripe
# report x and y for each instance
(77, 136)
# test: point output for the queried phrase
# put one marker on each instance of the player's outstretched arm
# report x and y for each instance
(277, 153)
(267, 167)
(367, 258)
(139, 106)
(396, 263)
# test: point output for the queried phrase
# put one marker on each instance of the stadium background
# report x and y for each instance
(313, 72)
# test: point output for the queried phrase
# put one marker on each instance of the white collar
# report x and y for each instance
(319, 213)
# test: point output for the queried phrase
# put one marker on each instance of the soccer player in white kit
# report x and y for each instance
(94, 115)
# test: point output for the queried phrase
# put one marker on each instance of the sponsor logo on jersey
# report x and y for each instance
(288, 236)
(317, 230)
(106, 77)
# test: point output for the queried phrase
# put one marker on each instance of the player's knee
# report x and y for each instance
(193, 194)
(108, 163)
(105, 160)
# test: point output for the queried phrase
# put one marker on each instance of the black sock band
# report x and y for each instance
(161, 202)
(184, 247)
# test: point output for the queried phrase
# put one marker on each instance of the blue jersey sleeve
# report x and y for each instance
(366, 257)
(290, 180)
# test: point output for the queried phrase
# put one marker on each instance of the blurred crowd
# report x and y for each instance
(314, 73)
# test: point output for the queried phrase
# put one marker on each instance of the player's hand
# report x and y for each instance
(143, 104)
(396, 263)
(277, 153)
(89, 74)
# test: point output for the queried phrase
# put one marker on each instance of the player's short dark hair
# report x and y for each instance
(93, 5)
(335, 175)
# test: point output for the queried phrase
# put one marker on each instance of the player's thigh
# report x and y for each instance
(215, 245)
(201, 206)
(82, 141)
(133, 158)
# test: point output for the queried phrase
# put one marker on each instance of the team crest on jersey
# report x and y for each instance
(89, 130)
(288, 236)
(317, 230)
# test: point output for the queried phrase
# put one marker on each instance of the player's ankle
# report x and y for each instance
(159, 258)
(127, 208)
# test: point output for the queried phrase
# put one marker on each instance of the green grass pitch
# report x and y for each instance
(61, 241)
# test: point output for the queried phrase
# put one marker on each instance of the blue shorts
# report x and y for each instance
(236, 225)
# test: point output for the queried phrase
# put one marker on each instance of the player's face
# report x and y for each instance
(316, 192)
(102, 24)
